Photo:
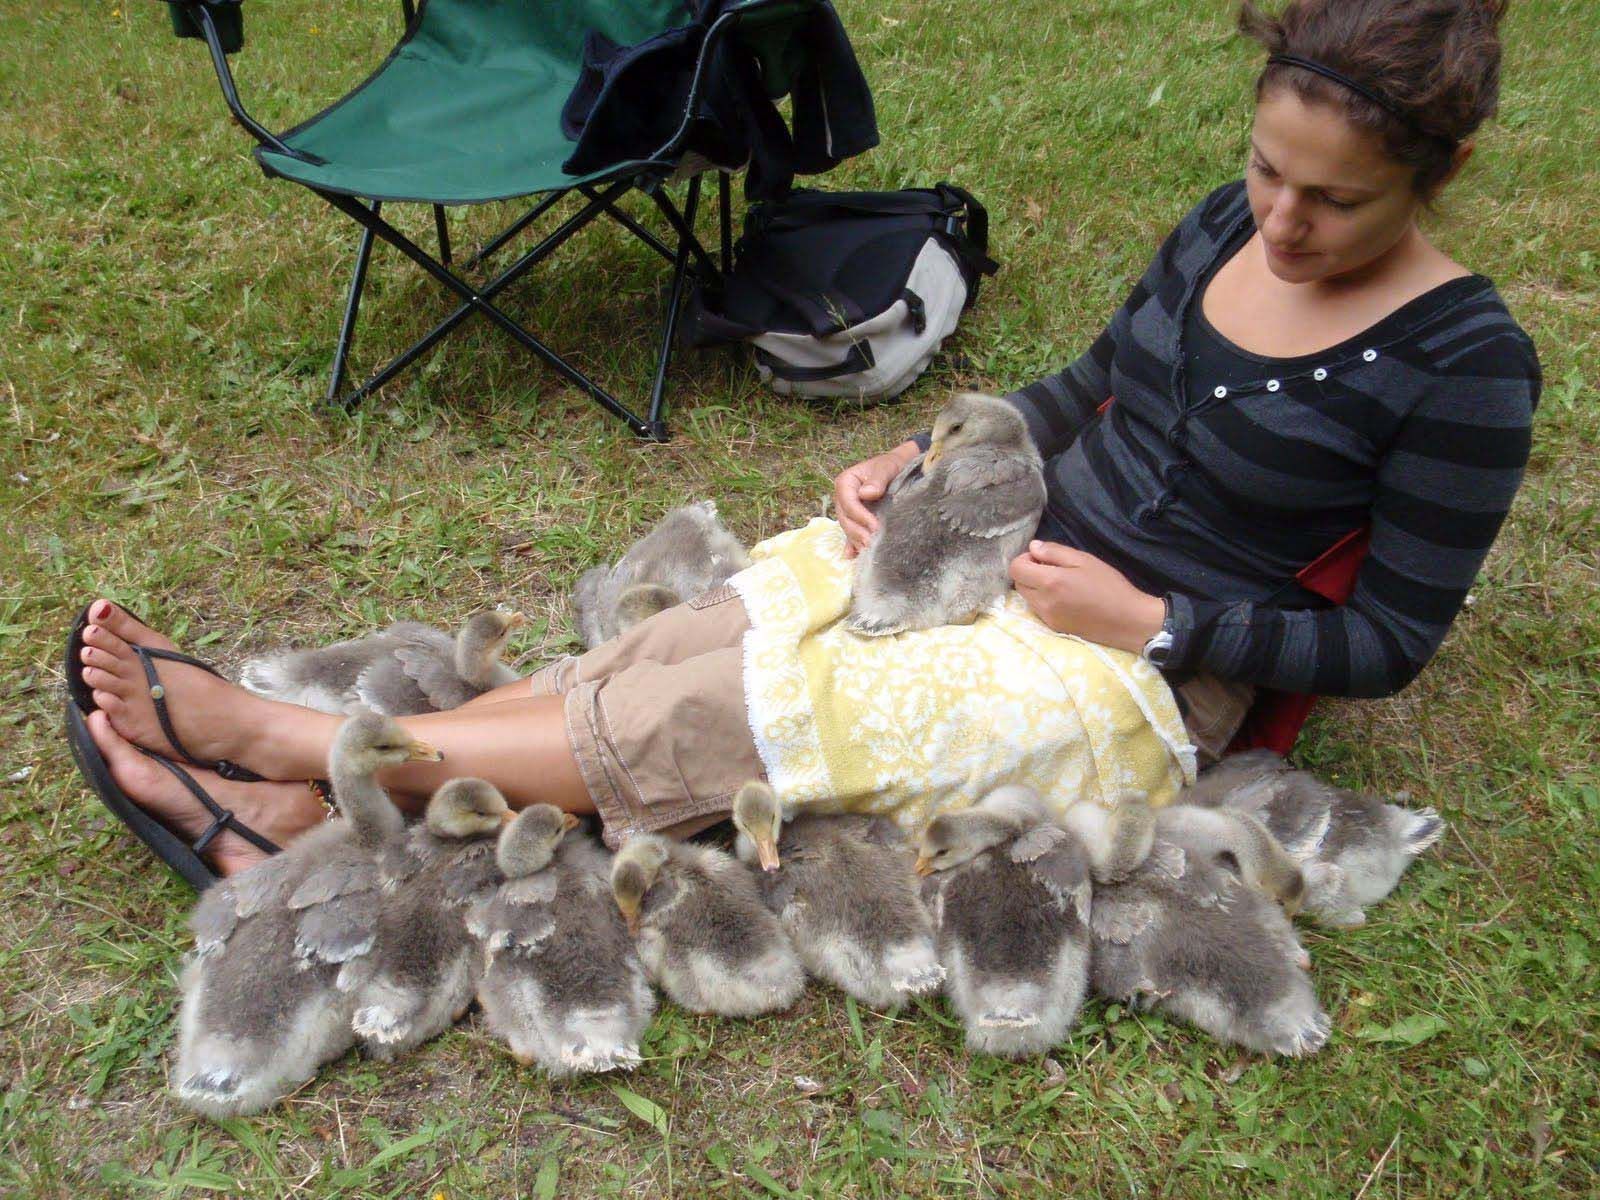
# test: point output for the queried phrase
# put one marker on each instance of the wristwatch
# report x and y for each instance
(1157, 650)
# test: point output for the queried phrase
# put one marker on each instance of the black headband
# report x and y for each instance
(1360, 89)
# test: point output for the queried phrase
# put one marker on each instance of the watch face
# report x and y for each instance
(1158, 648)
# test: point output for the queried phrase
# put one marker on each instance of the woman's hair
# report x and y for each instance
(1436, 61)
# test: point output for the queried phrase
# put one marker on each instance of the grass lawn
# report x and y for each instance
(168, 319)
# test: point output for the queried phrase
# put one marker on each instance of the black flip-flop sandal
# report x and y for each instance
(158, 695)
(183, 857)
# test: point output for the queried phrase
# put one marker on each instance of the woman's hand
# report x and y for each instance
(861, 484)
(1074, 592)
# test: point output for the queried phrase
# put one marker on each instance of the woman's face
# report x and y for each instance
(1327, 199)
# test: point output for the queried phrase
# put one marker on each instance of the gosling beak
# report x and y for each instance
(631, 919)
(507, 817)
(422, 752)
(935, 452)
(924, 865)
(516, 620)
(568, 821)
(767, 852)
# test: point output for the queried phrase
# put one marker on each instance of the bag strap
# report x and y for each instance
(801, 210)
(858, 358)
(977, 215)
(972, 243)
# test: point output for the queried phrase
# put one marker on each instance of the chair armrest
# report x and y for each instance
(220, 25)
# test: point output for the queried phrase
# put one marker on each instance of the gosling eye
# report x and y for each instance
(956, 428)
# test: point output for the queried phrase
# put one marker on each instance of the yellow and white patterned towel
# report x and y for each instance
(926, 721)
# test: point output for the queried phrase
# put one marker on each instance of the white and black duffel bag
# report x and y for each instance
(848, 295)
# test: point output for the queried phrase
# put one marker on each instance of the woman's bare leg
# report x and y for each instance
(520, 690)
(519, 744)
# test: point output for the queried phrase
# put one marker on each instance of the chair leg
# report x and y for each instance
(657, 428)
(633, 227)
(478, 301)
(685, 230)
(516, 227)
(489, 291)
(352, 305)
(725, 218)
(443, 231)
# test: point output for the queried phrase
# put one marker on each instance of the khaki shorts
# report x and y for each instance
(656, 718)
(1213, 709)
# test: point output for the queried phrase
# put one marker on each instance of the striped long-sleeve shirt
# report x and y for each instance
(1419, 426)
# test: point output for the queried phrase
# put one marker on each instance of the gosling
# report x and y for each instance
(951, 522)
(1353, 848)
(702, 931)
(422, 971)
(843, 888)
(406, 669)
(262, 1008)
(1010, 893)
(689, 552)
(1184, 934)
(563, 985)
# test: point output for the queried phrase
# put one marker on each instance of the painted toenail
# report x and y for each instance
(102, 610)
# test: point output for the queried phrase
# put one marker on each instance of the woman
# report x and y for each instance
(1298, 363)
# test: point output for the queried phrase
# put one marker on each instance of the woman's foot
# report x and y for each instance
(207, 719)
(214, 719)
(277, 811)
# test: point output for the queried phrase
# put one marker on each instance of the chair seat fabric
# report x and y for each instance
(467, 108)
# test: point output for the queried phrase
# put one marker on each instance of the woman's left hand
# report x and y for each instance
(1077, 593)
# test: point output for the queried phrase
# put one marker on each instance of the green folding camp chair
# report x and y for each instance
(466, 109)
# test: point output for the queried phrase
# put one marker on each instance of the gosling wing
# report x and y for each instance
(988, 495)
(340, 929)
(419, 674)
(346, 868)
(265, 885)
(1057, 862)
(519, 918)
(214, 917)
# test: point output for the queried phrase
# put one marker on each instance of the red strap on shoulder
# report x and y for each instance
(1105, 404)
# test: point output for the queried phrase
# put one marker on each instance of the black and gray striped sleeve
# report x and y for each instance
(1444, 489)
